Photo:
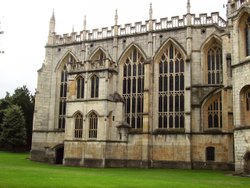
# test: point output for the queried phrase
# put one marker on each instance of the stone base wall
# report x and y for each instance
(242, 147)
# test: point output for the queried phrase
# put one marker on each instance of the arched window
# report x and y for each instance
(214, 65)
(80, 88)
(94, 87)
(93, 124)
(247, 33)
(78, 125)
(213, 112)
(63, 97)
(210, 154)
(171, 89)
(245, 105)
(133, 88)
(248, 100)
(98, 59)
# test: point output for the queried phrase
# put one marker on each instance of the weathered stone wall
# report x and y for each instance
(116, 145)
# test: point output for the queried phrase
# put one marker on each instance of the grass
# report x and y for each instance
(16, 171)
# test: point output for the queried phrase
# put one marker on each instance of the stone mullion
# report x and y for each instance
(146, 101)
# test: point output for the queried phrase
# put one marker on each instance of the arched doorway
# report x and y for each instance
(247, 163)
(59, 155)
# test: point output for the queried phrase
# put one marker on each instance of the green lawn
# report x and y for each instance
(17, 171)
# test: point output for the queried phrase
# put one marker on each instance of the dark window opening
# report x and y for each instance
(210, 154)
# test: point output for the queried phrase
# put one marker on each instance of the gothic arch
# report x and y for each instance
(212, 47)
(63, 59)
(242, 15)
(99, 50)
(127, 50)
(77, 112)
(209, 41)
(169, 74)
(92, 111)
(245, 105)
(211, 110)
(165, 44)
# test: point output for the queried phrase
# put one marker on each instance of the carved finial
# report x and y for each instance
(150, 11)
(116, 17)
(188, 6)
(53, 15)
(52, 23)
(84, 23)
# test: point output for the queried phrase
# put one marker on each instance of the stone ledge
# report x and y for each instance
(242, 127)
(169, 131)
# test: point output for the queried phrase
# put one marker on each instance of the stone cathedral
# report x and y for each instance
(173, 93)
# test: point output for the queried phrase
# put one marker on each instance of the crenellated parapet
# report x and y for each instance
(140, 28)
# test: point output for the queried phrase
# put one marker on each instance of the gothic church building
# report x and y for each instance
(173, 93)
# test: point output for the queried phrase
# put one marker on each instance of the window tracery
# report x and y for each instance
(80, 88)
(63, 97)
(214, 65)
(78, 125)
(133, 88)
(93, 125)
(171, 89)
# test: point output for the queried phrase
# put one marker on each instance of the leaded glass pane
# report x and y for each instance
(133, 88)
(171, 89)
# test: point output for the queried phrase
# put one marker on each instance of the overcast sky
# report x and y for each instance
(26, 25)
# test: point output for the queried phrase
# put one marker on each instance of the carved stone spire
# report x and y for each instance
(116, 17)
(188, 7)
(150, 17)
(150, 11)
(84, 23)
(52, 23)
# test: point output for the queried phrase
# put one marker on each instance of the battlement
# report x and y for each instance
(140, 28)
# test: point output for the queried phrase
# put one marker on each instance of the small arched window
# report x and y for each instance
(80, 88)
(214, 65)
(93, 125)
(94, 87)
(78, 125)
(210, 154)
(213, 112)
(245, 105)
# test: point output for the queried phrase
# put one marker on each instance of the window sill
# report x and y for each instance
(213, 130)
(169, 131)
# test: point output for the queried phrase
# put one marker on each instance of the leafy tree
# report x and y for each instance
(23, 98)
(13, 127)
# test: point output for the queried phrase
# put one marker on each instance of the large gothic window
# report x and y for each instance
(63, 97)
(133, 88)
(213, 112)
(94, 87)
(93, 124)
(80, 87)
(214, 65)
(171, 89)
(78, 125)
